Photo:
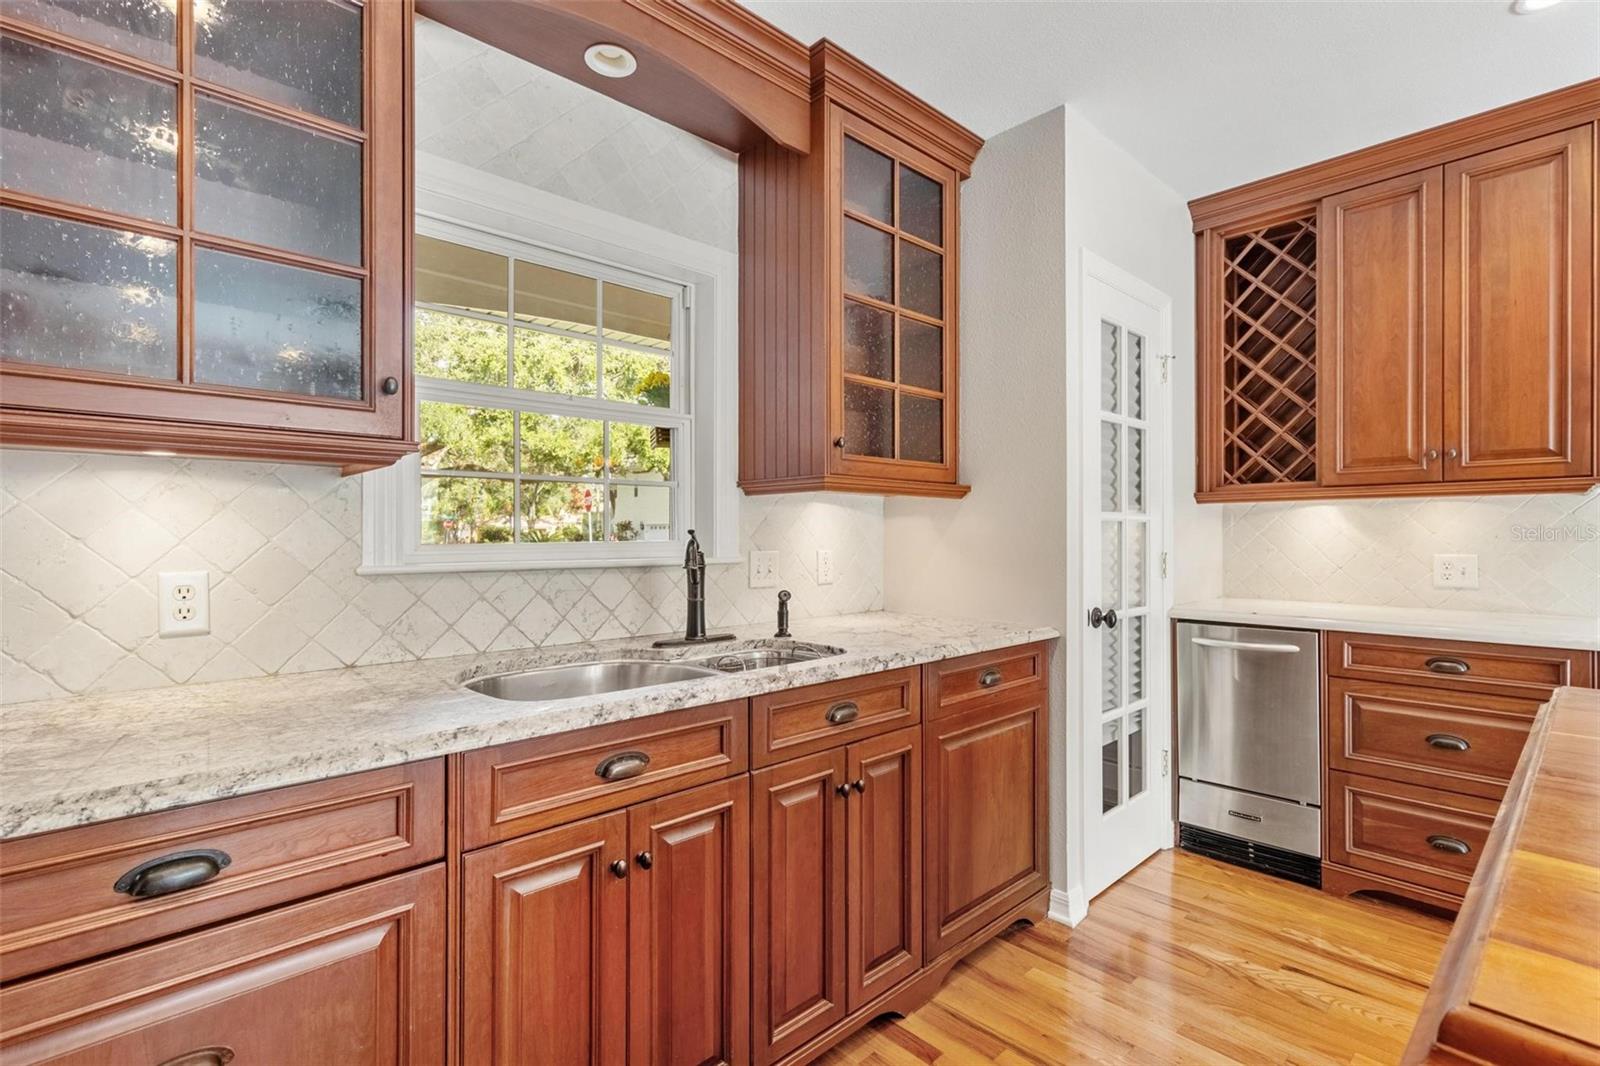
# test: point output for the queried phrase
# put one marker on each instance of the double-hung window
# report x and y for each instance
(553, 408)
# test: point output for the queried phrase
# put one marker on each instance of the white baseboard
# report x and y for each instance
(1069, 907)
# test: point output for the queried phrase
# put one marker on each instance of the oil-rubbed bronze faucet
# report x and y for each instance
(783, 614)
(694, 629)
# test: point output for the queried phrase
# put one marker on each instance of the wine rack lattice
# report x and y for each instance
(1269, 354)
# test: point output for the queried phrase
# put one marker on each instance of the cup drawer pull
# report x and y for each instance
(1448, 742)
(622, 765)
(989, 678)
(842, 713)
(1453, 845)
(216, 1055)
(172, 873)
(1442, 664)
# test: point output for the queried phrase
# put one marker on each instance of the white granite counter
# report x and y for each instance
(1534, 630)
(90, 758)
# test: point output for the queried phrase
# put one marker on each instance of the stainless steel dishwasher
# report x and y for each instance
(1250, 747)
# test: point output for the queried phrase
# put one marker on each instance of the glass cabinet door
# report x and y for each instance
(188, 209)
(894, 280)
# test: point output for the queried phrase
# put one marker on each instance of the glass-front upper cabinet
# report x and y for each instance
(203, 228)
(895, 404)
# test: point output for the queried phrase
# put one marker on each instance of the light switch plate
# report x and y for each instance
(183, 600)
(824, 566)
(1455, 571)
(763, 570)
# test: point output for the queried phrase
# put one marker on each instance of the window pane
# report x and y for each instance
(456, 437)
(563, 511)
(559, 444)
(1111, 565)
(868, 261)
(1135, 753)
(868, 341)
(921, 354)
(550, 297)
(641, 512)
(638, 377)
(77, 131)
(921, 206)
(1110, 367)
(868, 181)
(142, 28)
(261, 325)
(1135, 469)
(546, 362)
(1136, 652)
(1110, 668)
(1110, 467)
(456, 276)
(638, 317)
(271, 183)
(1110, 765)
(460, 349)
(868, 420)
(1138, 562)
(1135, 374)
(921, 428)
(466, 510)
(643, 452)
(87, 297)
(921, 280)
(303, 53)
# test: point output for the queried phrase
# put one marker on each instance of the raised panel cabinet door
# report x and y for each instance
(689, 923)
(884, 912)
(544, 947)
(353, 977)
(798, 907)
(985, 847)
(1518, 306)
(1380, 347)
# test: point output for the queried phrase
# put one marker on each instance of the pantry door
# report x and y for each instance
(1125, 719)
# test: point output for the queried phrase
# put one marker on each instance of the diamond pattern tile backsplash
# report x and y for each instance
(82, 538)
(1537, 554)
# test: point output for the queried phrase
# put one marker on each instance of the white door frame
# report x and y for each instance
(1083, 717)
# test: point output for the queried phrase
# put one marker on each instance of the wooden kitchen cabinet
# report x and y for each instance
(848, 294)
(1411, 319)
(356, 976)
(883, 898)
(622, 938)
(1518, 302)
(217, 264)
(986, 796)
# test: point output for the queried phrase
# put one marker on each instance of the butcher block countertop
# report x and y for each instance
(1520, 978)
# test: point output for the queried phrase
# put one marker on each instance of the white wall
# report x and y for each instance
(1002, 551)
(1040, 194)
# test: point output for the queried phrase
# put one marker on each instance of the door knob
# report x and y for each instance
(391, 386)
(1108, 618)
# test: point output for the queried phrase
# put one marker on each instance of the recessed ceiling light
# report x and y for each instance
(1528, 7)
(615, 61)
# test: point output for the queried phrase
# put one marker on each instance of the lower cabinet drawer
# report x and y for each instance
(76, 893)
(1461, 742)
(802, 721)
(527, 785)
(356, 976)
(1419, 835)
(1462, 666)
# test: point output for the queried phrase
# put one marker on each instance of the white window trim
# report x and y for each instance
(458, 202)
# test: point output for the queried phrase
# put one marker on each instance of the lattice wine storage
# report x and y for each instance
(1269, 354)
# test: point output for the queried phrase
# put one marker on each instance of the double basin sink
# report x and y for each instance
(619, 675)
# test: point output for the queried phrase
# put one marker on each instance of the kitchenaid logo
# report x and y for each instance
(1563, 532)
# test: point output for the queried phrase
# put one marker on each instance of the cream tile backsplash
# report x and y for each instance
(1535, 553)
(82, 538)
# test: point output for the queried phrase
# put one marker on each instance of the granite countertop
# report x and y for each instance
(86, 759)
(1533, 630)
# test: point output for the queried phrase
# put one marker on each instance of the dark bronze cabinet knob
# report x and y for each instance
(391, 386)
(620, 867)
(843, 790)
(838, 442)
(859, 784)
(645, 860)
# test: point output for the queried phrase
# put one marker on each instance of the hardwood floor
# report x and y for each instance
(1184, 961)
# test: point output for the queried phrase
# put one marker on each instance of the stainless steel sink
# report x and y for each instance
(585, 679)
(733, 662)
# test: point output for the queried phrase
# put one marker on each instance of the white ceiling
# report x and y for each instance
(1211, 93)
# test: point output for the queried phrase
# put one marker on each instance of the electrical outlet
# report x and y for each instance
(1455, 571)
(824, 566)
(763, 570)
(184, 602)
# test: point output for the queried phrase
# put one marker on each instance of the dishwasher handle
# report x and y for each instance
(1243, 645)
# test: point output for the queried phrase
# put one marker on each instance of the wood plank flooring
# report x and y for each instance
(1186, 960)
